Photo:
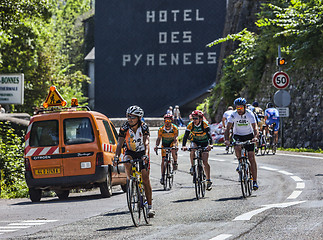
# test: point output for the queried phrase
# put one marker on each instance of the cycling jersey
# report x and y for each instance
(167, 136)
(199, 134)
(272, 117)
(242, 123)
(226, 115)
(134, 140)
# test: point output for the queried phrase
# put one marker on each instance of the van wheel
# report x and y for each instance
(35, 194)
(124, 187)
(62, 194)
(106, 187)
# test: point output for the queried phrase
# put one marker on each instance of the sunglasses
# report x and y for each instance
(195, 118)
(131, 117)
(167, 121)
(239, 108)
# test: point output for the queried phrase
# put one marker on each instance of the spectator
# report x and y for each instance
(225, 116)
(2, 110)
(177, 117)
(170, 110)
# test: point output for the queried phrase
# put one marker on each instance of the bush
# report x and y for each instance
(11, 163)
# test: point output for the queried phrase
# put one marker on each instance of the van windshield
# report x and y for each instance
(77, 131)
(44, 133)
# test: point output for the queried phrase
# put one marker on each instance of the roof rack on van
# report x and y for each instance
(58, 109)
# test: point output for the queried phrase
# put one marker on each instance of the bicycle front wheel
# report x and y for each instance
(196, 183)
(244, 179)
(249, 179)
(202, 182)
(134, 203)
(169, 176)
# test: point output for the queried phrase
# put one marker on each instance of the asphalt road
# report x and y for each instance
(288, 205)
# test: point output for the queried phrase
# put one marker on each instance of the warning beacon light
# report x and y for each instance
(74, 102)
(280, 61)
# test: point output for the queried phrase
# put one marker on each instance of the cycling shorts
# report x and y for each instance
(243, 138)
(271, 121)
(164, 151)
(200, 144)
(137, 155)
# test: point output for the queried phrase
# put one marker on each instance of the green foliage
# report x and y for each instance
(295, 25)
(301, 150)
(44, 40)
(11, 163)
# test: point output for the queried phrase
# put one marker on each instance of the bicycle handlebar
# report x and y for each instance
(242, 143)
(198, 148)
(165, 148)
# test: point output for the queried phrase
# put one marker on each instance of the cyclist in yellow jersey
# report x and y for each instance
(199, 131)
(167, 134)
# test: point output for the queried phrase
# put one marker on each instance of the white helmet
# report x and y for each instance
(135, 110)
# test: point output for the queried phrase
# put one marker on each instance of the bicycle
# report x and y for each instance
(271, 143)
(199, 178)
(244, 170)
(230, 148)
(262, 143)
(136, 198)
(168, 176)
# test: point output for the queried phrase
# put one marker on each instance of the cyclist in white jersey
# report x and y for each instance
(244, 128)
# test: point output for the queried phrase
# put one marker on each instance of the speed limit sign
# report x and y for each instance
(280, 80)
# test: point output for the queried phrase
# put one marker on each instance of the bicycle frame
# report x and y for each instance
(136, 198)
(244, 170)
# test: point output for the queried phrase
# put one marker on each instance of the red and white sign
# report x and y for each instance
(280, 80)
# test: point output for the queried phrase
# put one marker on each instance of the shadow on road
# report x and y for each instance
(185, 200)
(228, 199)
(116, 228)
(116, 213)
(46, 200)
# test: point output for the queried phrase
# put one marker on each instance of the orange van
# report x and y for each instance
(70, 148)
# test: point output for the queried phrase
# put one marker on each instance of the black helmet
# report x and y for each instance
(255, 104)
(270, 105)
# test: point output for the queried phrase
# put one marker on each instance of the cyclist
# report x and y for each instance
(167, 133)
(134, 135)
(225, 117)
(244, 128)
(199, 131)
(272, 117)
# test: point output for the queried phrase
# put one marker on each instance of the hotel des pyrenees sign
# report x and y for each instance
(12, 88)
(155, 47)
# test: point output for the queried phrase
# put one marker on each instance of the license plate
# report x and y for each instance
(47, 171)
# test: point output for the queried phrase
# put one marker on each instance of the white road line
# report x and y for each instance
(10, 227)
(286, 173)
(297, 179)
(249, 215)
(221, 237)
(294, 194)
(269, 168)
(303, 156)
(217, 159)
(6, 231)
(300, 185)
(26, 224)
(39, 221)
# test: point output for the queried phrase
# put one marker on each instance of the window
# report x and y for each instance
(44, 133)
(109, 132)
(77, 131)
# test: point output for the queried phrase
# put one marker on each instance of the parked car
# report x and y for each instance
(70, 148)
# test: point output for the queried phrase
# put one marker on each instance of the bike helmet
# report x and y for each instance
(197, 113)
(135, 110)
(169, 116)
(240, 101)
(255, 104)
(270, 105)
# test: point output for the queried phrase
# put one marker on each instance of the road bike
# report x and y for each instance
(168, 175)
(262, 143)
(244, 169)
(136, 198)
(199, 178)
(271, 145)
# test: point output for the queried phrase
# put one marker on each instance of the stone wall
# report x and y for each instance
(304, 126)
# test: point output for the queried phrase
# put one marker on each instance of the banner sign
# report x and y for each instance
(153, 53)
(12, 88)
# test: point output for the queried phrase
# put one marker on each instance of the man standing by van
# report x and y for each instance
(134, 134)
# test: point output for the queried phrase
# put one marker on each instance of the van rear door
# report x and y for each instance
(79, 146)
(42, 148)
